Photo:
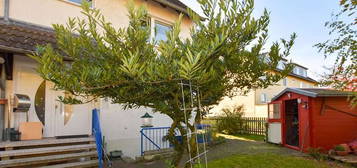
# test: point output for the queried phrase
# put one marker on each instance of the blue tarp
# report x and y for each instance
(97, 132)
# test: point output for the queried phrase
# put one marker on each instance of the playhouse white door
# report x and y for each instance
(69, 120)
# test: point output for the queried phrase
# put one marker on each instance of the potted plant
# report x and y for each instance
(341, 150)
(353, 146)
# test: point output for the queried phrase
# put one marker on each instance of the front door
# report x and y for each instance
(292, 123)
(69, 119)
(57, 119)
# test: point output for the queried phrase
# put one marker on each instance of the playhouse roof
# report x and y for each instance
(315, 92)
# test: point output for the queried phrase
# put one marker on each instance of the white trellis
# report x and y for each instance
(188, 131)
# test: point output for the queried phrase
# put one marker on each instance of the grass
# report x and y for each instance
(266, 160)
(251, 137)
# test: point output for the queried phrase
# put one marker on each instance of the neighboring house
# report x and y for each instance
(255, 101)
(24, 24)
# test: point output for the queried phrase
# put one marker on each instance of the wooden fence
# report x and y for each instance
(252, 125)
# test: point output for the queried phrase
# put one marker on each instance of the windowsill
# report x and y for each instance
(74, 4)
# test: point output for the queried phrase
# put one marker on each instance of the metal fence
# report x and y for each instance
(155, 138)
(251, 125)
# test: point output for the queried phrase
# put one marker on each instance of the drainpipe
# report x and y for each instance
(6, 9)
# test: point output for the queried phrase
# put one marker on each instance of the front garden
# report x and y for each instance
(247, 151)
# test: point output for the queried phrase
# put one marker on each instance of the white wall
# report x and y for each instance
(25, 81)
(121, 128)
(274, 133)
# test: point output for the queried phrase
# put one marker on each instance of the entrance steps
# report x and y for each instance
(49, 153)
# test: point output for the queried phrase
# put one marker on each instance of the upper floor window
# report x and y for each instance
(281, 65)
(300, 71)
(80, 1)
(301, 84)
(285, 82)
(263, 98)
(161, 30)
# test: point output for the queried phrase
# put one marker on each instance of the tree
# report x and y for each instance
(223, 53)
(343, 45)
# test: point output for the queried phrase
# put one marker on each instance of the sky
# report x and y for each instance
(304, 17)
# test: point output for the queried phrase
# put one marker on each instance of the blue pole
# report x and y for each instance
(97, 135)
(141, 142)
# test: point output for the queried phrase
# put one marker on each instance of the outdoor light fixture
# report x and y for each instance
(146, 120)
(2, 60)
(305, 105)
(298, 101)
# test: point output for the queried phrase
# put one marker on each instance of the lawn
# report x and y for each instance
(268, 160)
(251, 137)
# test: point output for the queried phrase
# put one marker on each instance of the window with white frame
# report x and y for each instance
(79, 1)
(285, 82)
(300, 71)
(160, 30)
(281, 65)
(274, 111)
(301, 84)
(263, 98)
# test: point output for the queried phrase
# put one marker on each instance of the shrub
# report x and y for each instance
(339, 148)
(317, 154)
(231, 122)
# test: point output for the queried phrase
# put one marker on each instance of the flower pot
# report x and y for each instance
(342, 153)
(354, 147)
(346, 147)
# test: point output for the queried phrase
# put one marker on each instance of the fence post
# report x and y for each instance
(141, 142)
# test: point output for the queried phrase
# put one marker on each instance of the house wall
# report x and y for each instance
(330, 127)
(48, 12)
(271, 91)
(121, 127)
(251, 101)
(247, 101)
(2, 8)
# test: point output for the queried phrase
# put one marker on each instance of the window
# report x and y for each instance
(160, 31)
(79, 1)
(296, 70)
(281, 65)
(300, 71)
(301, 84)
(285, 82)
(263, 98)
(274, 111)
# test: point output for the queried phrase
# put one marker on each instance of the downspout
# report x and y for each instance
(6, 9)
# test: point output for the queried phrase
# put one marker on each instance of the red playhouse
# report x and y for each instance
(311, 118)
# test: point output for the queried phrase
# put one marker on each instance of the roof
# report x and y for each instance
(302, 77)
(299, 76)
(316, 92)
(175, 4)
(23, 37)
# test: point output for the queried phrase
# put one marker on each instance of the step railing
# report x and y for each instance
(155, 138)
(97, 133)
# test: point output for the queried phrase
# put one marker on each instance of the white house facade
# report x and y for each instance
(24, 24)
